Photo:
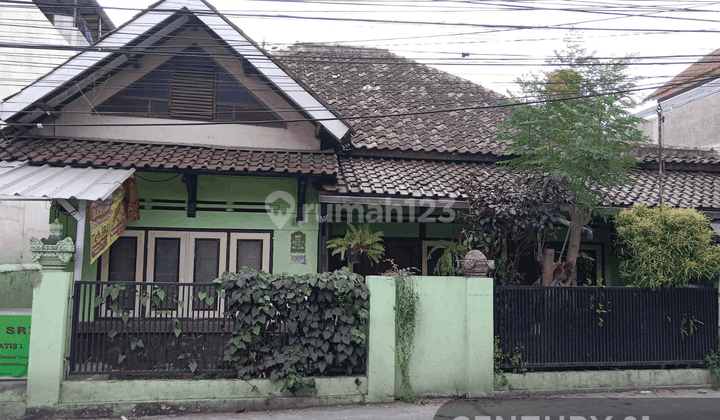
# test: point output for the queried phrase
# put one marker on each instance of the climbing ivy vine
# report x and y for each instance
(407, 303)
(289, 327)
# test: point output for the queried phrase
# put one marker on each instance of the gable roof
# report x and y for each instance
(138, 37)
(701, 72)
(365, 84)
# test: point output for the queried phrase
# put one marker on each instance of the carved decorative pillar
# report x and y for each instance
(50, 318)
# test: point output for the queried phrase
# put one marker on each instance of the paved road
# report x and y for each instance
(654, 405)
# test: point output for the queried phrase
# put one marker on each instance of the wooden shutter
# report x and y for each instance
(192, 95)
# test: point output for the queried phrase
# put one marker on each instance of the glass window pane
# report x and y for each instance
(159, 108)
(125, 105)
(207, 264)
(249, 253)
(223, 112)
(123, 259)
(230, 92)
(207, 260)
(155, 85)
(121, 267)
(250, 114)
(167, 269)
(167, 260)
(433, 260)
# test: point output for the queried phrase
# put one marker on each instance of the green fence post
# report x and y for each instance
(381, 340)
(49, 322)
(479, 327)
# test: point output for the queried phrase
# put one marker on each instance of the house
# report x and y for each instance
(65, 26)
(205, 123)
(239, 157)
(400, 153)
(688, 104)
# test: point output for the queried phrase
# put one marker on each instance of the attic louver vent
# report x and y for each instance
(191, 86)
(192, 92)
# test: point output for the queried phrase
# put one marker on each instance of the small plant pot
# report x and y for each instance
(354, 257)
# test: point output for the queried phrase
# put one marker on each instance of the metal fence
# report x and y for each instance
(170, 329)
(153, 329)
(605, 327)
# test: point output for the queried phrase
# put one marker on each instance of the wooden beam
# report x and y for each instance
(302, 186)
(191, 183)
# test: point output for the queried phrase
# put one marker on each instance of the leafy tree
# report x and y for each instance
(666, 247)
(571, 123)
(508, 216)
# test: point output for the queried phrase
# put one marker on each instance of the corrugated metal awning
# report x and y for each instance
(24, 180)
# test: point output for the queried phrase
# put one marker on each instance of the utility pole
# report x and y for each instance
(661, 157)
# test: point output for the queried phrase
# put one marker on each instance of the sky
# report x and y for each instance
(501, 40)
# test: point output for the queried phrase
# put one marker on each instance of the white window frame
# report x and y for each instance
(145, 258)
(265, 237)
(154, 234)
(187, 259)
(426, 247)
(190, 264)
(139, 258)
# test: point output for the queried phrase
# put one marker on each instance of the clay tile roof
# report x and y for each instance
(359, 82)
(62, 151)
(677, 155)
(445, 179)
(704, 70)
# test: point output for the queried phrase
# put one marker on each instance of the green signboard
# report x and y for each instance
(14, 345)
(297, 243)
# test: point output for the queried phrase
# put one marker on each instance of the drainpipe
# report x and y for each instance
(661, 157)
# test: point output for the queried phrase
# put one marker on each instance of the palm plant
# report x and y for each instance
(358, 240)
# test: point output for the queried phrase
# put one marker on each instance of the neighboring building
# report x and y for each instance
(689, 104)
(213, 130)
(64, 26)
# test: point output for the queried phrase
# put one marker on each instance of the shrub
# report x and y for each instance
(291, 326)
(665, 247)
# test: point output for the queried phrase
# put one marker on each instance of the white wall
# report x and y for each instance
(20, 221)
(692, 119)
(21, 24)
(28, 25)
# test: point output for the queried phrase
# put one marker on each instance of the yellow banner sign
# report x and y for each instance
(107, 223)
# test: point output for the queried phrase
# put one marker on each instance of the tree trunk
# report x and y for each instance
(548, 266)
(576, 224)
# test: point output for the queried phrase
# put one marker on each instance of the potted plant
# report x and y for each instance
(357, 241)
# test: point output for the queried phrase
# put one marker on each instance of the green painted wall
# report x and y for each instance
(161, 186)
(381, 339)
(453, 352)
(16, 283)
(607, 380)
(12, 399)
(445, 230)
(48, 338)
(433, 231)
(438, 362)
(390, 230)
(176, 391)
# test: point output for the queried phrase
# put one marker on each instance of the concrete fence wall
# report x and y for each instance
(16, 284)
(453, 352)
(453, 356)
